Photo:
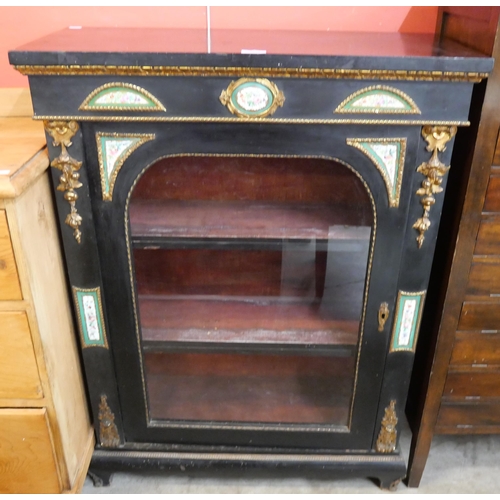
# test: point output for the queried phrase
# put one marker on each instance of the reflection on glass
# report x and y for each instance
(250, 275)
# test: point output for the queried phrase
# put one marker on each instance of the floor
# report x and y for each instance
(456, 464)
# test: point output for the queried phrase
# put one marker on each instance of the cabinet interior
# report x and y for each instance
(250, 274)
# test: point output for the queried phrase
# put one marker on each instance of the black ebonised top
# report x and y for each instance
(308, 49)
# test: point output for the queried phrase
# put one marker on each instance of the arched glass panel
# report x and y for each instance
(250, 277)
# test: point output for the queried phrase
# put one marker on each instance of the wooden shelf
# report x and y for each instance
(244, 321)
(249, 388)
(236, 219)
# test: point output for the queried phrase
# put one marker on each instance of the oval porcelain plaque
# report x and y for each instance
(252, 97)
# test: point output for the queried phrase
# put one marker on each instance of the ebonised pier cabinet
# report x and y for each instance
(249, 236)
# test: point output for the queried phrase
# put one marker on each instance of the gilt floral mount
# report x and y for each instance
(437, 137)
(62, 132)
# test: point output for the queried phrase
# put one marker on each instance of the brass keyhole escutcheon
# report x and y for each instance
(383, 315)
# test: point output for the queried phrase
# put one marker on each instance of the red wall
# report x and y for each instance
(19, 25)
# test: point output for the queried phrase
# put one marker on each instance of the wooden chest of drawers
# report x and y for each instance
(458, 391)
(471, 395)
(45, 435)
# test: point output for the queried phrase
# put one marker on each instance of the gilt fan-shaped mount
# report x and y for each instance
(121, 97)
(378, 99)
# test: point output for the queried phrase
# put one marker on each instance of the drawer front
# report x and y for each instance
(492, 200)
(476, 348)
(469, 417)
(496, 157)
(472, 385)
(10, 288)
(484, 277)
(18, 368)
(488, 238)
(480, 316)
(27, 462)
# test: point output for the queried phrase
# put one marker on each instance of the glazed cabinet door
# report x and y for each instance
(250, 277)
